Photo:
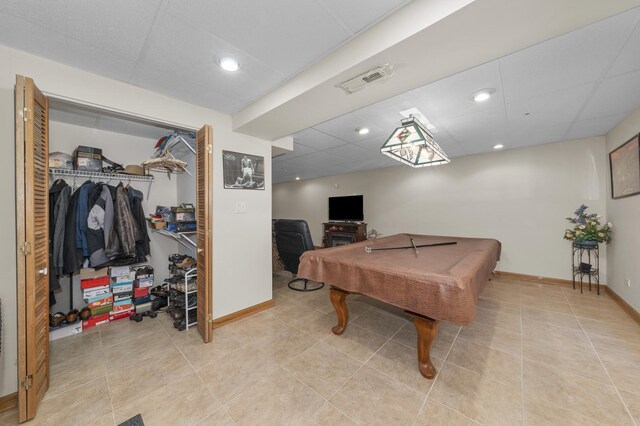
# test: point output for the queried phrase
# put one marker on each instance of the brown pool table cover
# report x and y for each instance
(442, 282)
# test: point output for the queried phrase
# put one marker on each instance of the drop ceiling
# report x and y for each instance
(172, 46)
(576, 85)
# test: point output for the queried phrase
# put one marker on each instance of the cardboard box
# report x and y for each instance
(95, 291)
(94, 282)
(123, 305)
(114, 316)
(122, 296)
(122, 288)
(145, 307)
(101, 310)
(140, 292)
(119, 271)
(102, 300)
(64, 331)
(184, 213)
(89, 273)
(88, 158)
(129, 278)
(141, 300)
(95, 320)
(144, 283)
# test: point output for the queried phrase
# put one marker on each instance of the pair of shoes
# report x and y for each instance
(136, 317)
(187, 262)
(84, 313)
(57, 319)
(177, 257)
(72, 316)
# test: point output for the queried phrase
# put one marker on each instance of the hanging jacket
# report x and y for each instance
(95, 226)
(143, 248)
(124, 224)
(56, 224)
(59, 221)
(82, 215)
(72, 257)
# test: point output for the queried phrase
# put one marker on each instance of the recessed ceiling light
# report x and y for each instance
(362, 130)
(297, 177)
(498, 146)
(482, 95)
(229, 64)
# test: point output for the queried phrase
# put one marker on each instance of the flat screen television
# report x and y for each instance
(347, 208)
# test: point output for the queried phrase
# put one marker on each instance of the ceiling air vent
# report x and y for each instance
(368, 77)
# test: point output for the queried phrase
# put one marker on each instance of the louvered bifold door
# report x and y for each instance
(204, 208)
(32, 216)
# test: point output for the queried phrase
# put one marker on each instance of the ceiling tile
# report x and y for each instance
(569, 60)
(559, 107)
(316, 139)
(33, 38)
(116, 26)
(353, 152)
(356, 15)
(629, 58)
(288, 40)
(481, 127)
(522, 137)
(344, 127)
(615, 95)
(166, 52)
(450, 97)
(594, 127)
(181, 88)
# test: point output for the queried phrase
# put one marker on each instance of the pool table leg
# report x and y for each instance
(338, 300)
(427, 329)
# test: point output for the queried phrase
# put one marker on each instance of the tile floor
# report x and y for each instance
(537, 355)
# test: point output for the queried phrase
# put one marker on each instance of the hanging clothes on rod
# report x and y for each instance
(59, 195)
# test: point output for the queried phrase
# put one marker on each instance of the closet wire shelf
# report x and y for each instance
(100, 175)
(105, 177)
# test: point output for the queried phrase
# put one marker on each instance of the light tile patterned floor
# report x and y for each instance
(537, 355)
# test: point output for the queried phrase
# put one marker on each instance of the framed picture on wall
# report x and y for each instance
(242, 171)
(625, 169)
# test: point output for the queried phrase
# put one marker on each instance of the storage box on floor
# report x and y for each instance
(116, 293)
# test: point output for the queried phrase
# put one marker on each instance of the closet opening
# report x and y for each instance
(125, 204)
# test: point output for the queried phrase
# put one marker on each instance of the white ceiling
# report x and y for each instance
(577, 85)
(172, 46)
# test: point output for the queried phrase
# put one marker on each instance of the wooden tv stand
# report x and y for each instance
(339, 233)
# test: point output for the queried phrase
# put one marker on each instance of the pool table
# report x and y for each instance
(429, 281)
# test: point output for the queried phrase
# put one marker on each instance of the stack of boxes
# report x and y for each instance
(143, 282)
(97, 292)
(122, 288)
(115, 293)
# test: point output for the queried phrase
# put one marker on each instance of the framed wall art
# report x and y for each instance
(625, 169)
(242, 171)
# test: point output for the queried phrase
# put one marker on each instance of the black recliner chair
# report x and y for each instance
(292, 239)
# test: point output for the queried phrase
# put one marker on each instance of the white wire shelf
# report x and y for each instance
(100, 175)
(181, 237)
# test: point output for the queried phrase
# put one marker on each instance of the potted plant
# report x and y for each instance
(587, 230)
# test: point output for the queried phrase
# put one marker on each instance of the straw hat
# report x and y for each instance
(133, 169)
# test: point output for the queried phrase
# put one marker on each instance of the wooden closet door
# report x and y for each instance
(204, 209)
(32, 217)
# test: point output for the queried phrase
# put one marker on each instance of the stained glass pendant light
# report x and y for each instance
(413, 145)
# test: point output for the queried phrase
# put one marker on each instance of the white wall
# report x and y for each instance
(124, 149)
(624, 250)
(520, 197)
(241, 242)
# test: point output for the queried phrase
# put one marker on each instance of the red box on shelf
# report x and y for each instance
(94, 282)
(140, 292)
(114, 316)
(95, 320)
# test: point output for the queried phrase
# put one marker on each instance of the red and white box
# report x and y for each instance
(95, 320)
(114, 316)
(140, 292)
(90, 278)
